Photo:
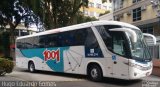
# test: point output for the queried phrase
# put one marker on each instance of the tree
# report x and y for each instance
(81, 18)
(12, 13)
(55, 13)
(104, 1)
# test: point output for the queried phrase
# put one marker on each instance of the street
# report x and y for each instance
(72, 80)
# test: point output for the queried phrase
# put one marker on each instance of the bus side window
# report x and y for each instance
(105, 36)
(92, 48)
(118, 44)
(41, 41)
(35, 42)
(19, 44)
(80, 37)
(114, 41)
(49, 40)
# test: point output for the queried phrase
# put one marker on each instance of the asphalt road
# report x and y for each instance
(72, 80)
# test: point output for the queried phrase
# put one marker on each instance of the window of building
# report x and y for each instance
(137, 14)
(117, 4)
(98, 5)
(97, 14)
(135, 1)
(85, 12)
(91, 4)
(104, 7)
(116, 18)
(148, 29)
(91, 13)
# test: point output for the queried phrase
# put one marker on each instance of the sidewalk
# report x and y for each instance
(156, 67)
(151, 78)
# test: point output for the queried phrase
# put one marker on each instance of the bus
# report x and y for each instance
(97, 49)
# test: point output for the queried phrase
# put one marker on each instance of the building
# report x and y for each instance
(140, 13)
(96, 7)
(144, 14)
(108, 17)
(21, 30)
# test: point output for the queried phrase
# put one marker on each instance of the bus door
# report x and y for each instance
(118, 47)
(120, 51)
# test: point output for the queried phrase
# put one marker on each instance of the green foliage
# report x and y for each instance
(104, 1)
(81, 18)
(6, 66)
(13, 13)
(55, 13)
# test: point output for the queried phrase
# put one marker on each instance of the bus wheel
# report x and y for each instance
(95, 73)
(31, 67)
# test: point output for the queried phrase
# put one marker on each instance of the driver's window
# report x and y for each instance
(118, 45)
(115, 41)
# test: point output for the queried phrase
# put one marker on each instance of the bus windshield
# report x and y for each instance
(121, 43)
(139, 50)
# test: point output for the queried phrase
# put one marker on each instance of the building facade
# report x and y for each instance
(141, 13)
(144, 14)
(108, 17)
(96, 7)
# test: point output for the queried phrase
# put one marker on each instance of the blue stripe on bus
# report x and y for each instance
(52, 63)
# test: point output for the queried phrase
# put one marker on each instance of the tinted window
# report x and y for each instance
(82, 37)
(92, 48)
(104, 32)
(63, 39)
(116, 42)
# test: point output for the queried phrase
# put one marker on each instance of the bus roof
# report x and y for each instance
(79, 26)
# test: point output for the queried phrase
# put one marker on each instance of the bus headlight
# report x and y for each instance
(139, 66)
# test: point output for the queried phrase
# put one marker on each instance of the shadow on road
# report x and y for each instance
(111, 81)
(120, 82)
(56, 74)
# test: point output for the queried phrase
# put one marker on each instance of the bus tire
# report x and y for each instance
(95, 73)
(31, 67)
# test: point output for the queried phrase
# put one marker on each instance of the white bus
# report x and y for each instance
(97, 49)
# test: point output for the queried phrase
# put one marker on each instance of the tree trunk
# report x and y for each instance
(6, 44)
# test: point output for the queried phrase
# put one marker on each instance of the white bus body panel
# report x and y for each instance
(74, 60)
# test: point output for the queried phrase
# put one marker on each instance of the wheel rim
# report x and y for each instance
(31, 68)
(94, 73)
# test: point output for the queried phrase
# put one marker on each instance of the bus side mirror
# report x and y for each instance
(152, 36)
(131, 32)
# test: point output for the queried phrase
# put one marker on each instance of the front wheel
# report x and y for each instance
(95, 73)
(31, 67)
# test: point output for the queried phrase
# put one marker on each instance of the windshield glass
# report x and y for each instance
(139, 50)
(120, 43)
